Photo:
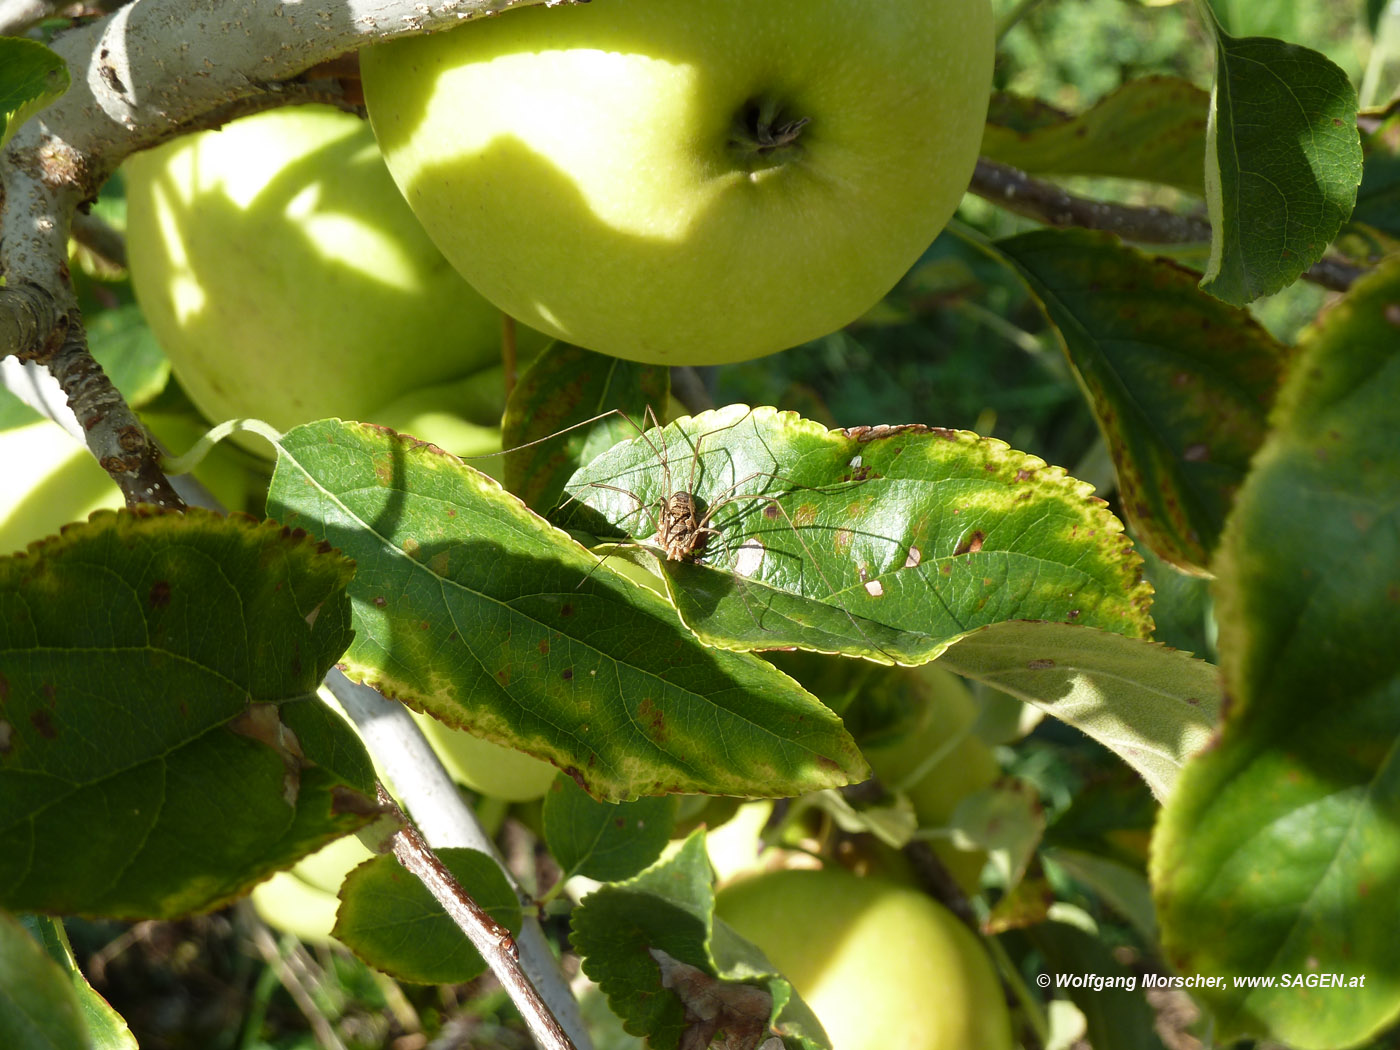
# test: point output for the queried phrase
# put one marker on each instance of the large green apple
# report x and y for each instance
(49, 479)
(687, 181)
(286, 278)
(881, 965)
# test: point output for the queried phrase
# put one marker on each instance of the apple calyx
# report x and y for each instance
(764, 130)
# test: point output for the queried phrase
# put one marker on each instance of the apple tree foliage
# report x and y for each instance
(163, 747)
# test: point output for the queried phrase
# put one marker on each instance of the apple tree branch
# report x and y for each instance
(1014, 190)
(149, 71)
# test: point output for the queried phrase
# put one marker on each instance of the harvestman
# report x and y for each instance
(681, 531)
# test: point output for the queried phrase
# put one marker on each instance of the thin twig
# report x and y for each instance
(411, 766)
(103, 240)
(508, 356)
(114, 435)
(492, 940)
(271, 954)
(1045, 202)
(1014, 190)
(690, 389)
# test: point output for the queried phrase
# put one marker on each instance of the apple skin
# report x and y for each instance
(592, 169)
(287, 280)
(880, 964)
(490, 769)
(50, 479)
(303, 901)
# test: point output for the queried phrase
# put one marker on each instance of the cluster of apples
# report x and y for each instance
(686, 182)
(671, 181)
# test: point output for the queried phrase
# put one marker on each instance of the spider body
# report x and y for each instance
(680, 531)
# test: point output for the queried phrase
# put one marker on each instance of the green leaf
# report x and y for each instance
(1007, 820)
(669, 909)
(606, 841)
(1279, 852)
(38, 1006)
(1283, 161)
(1153, 707)
(31, 76)
(565, 388)
(1118, 1015)
(1378, 199)
(471, 608)
(1180, 382)
(1152, 129)
(105, 1027)
(390, 920)
(151, 668)
(887, 543)
(1121, 887)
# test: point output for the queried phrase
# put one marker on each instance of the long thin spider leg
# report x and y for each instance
(808, 557)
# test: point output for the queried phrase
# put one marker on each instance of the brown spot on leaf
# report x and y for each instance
(4, 689)
(568, 674)
(43, 722)
(1040, 665)
(543, 647)
(971, 544)
(650, 713)
(410, 547)
(1197, 453)
(380, 601)
(566, 609)
(348, 800)
(7, 732)
(159, 597)
(726, 1014)
(503, 676)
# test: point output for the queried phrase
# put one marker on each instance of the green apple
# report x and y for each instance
(938, 761)
(49, 480)
(303, 901)
(881, 965)
(490, 769)
(687, 181)
(287, 280)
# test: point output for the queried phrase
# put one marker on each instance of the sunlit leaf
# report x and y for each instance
(1181, 383)
(1283, 161)
(469, 607)
(1152, 706)
(161, 745)
(31, 76)
(391, 920)
(1151, 128)
(887, 543)
(105, 1027)
(632, 935)
(38, 1006)
(1279, 852)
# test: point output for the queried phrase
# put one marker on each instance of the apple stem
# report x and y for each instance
(762, 126)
